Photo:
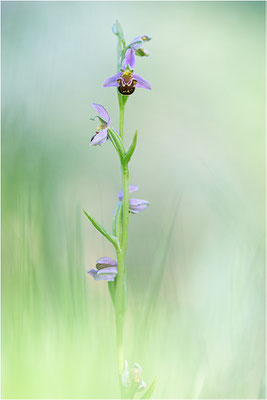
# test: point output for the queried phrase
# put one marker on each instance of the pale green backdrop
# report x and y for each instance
(195, 256)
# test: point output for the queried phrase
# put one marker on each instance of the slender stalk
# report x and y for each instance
(121, 119)
(120, 296)
(119, 314)
(125, 217)
(120, 293)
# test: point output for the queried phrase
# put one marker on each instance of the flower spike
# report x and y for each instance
(107, 269)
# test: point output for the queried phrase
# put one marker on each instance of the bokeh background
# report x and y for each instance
(195, 257)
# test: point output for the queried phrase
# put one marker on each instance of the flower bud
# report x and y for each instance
(106, 269)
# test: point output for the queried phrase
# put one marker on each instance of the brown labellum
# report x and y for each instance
(126, 85)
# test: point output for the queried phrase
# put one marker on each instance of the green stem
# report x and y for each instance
(119, 313)
(120, 295)
(125, 217)
(121, 119)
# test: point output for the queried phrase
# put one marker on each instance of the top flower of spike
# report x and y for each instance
(137, 44)
(126, 80)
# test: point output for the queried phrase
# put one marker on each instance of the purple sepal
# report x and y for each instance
(137, 205)
(105, 262)
(141, 83)
(112, 81)
(106, 274)
(102, 112)
(93, 273)
(138, 42)
(129, 59)
(99, 138)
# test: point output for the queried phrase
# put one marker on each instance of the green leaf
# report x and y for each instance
(102, 230)
(116, 220)
(118, 227)
(112, 289)
(117, 142)
(131, 148)
(150, 390)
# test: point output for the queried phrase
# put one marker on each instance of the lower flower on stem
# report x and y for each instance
(106, 269)
(135, 205)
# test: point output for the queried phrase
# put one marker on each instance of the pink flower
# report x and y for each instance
(125, 80)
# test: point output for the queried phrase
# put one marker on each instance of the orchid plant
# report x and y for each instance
(107, 269)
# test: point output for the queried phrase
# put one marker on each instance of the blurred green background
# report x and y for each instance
(195, 257)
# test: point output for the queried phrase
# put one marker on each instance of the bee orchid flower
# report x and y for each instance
(125, 80)
(135, 205)
(106, 269)
(101, 134)
(137, 44)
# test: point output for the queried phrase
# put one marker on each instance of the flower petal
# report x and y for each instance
(93, 273)
(107, 274)
(99, 138)
(129, 59)
(102, 112)
(112, 81)
(141, 83)
(132, 188)
(136, 43)
(137, 205)
(105, 262)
